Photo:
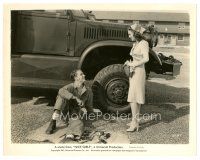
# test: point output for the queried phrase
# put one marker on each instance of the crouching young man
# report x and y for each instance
(72, 97)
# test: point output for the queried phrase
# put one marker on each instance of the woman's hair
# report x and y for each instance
(137, 35)
(73, 74)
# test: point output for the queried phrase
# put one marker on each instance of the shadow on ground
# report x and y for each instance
(162, 76)
(22, 94)
(166, 113)
(161, 93)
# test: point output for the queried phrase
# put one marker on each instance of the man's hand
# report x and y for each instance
(84, 110)
(80, 102)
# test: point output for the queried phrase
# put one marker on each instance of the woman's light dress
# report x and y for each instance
(140, 54)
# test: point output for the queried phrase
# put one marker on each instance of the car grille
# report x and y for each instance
(99, 33)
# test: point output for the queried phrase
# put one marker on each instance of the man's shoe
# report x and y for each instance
(52, 127)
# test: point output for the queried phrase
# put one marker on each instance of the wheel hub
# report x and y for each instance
(117, 91)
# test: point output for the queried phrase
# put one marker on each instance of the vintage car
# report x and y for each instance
(46, 45)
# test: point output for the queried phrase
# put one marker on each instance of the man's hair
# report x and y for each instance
(73, 74)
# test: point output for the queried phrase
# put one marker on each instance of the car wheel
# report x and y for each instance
(110, 89)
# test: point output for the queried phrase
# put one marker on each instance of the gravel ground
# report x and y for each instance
(171, 102)
(27, 117)
(165, 100)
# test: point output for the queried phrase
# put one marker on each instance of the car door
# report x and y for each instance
(40, 51)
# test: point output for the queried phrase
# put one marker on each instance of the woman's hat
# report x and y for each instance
(138, 28)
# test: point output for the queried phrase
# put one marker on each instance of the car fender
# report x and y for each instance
(153, 53)
(111, 43)
(100, 44)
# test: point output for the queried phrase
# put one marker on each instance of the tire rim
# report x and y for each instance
(117, 91)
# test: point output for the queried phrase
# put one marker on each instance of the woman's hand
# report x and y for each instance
(129, 63)
(132, 69)
(126, 63)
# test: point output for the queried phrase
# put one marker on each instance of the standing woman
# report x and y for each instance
(140, 55)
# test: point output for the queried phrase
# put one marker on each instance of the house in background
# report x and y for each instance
(173, 28)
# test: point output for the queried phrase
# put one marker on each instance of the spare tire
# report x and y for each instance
(110, 89)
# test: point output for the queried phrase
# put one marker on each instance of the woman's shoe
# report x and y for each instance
(133, 128)
(129, 124)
